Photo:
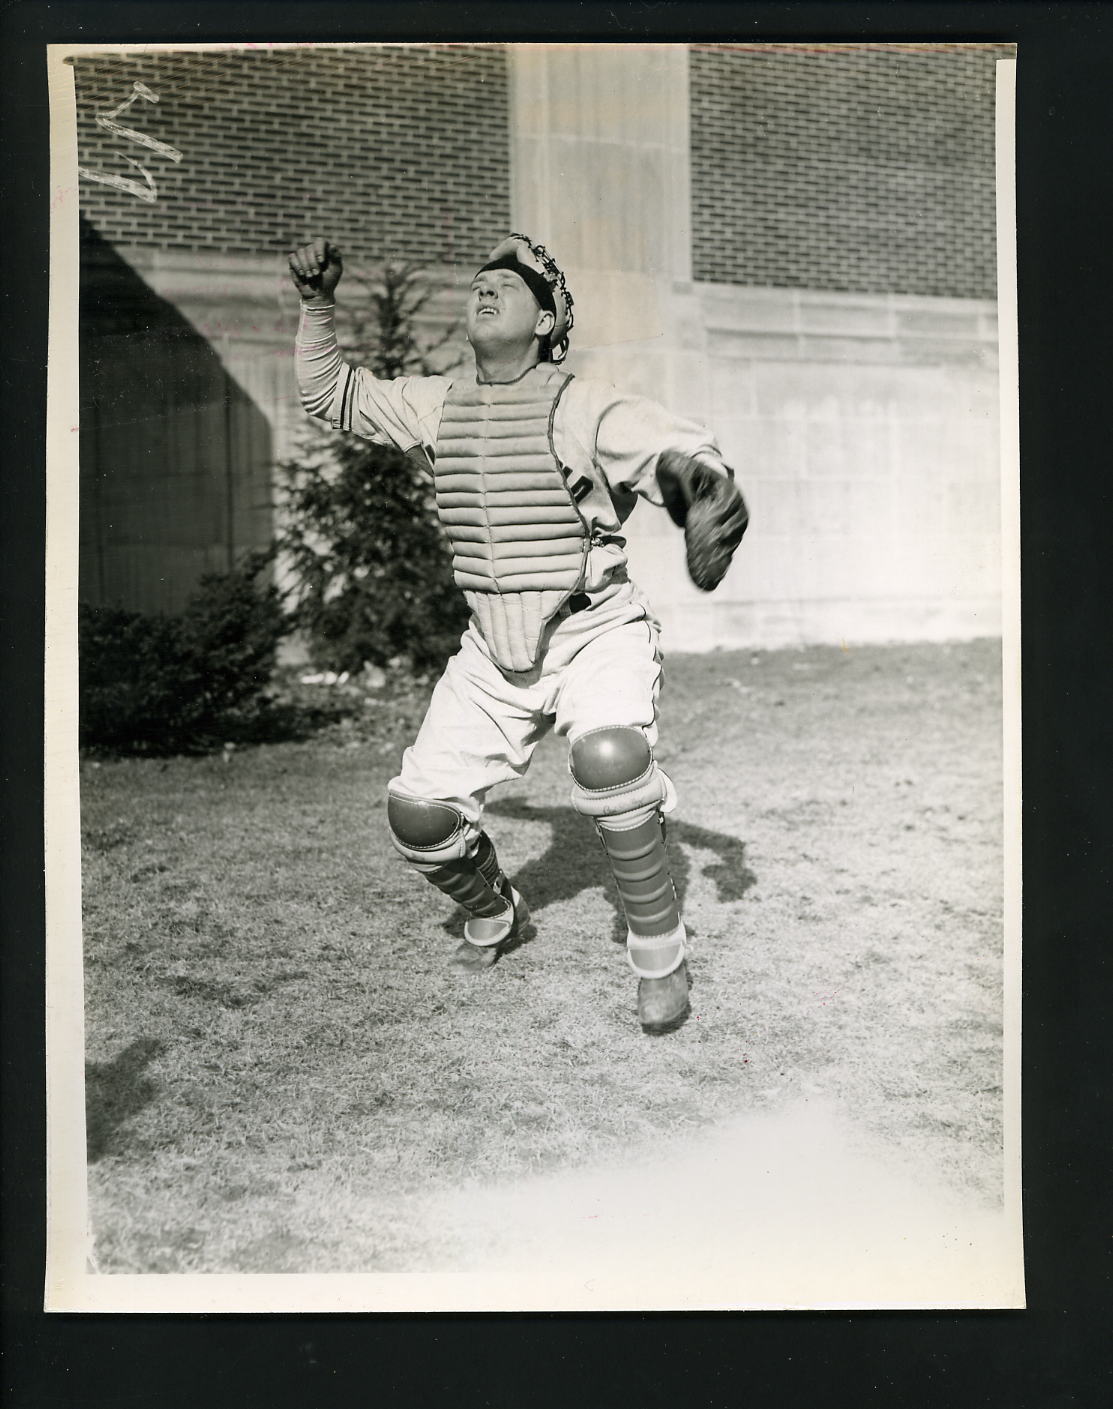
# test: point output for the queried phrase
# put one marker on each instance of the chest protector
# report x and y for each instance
(519, 542)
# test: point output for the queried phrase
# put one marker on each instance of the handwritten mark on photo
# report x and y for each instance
(146, 192)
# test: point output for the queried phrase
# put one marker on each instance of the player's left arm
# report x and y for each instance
(701, 496)
(677, 463)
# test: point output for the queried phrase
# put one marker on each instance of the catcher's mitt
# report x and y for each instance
(711, 510)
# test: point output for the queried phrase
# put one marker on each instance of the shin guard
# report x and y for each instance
(618, 784)
(431, 836)
(475, 882)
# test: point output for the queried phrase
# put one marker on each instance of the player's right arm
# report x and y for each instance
(315, 270)
(403, 412)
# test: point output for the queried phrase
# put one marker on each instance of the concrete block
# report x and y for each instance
(847, 317)
(939, 565)
(686, 327)
(918, 508)
(840, 621)
(689, 386)
(830, 391)
(656, 554)
(775, 505)
(846, 507)
(610, 89)
(732, 390)
(731, 308)
(528, 96)
(731, 436)
(641, 369)
(891, 391)
(919, 449)
(849, 447)
(972, 450)
(686, 628)
(938, 352)
(616, 233)
(762, 445)
(601, 163)
(938, 306)
(856, 564)
(973, 390)
(766, 568)
(614, 309)
(977, 565)
(868, 622)
(799, 391)
(763, 625)
(939, 322)
(853, 350)
(769, 347)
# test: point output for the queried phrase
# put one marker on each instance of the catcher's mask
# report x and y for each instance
(538, 270)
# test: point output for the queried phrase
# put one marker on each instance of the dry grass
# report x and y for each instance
(282, 1070)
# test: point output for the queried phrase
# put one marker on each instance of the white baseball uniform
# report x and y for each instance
(527, 474)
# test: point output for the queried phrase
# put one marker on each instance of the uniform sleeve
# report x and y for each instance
(631, 433)
(403, 412)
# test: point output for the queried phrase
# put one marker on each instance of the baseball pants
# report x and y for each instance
(601, 668)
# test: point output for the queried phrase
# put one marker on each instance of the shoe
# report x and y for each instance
(490, 936)
(663, 1002)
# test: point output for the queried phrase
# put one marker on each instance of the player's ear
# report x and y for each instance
(545, 324)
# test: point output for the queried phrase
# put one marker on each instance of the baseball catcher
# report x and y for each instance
(535, 472)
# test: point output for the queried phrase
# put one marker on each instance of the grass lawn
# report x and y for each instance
(283, 1074)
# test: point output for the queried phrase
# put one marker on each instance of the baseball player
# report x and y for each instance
(535, 472)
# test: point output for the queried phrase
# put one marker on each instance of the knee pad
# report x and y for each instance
(432, 836)
(614, 772)
(425, 831)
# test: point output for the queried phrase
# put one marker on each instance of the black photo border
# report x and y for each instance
(1054, 1354)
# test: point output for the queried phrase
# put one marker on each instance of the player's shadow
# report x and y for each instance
(114, 1092)
(575, 862)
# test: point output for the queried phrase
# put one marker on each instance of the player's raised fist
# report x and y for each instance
(315, 269)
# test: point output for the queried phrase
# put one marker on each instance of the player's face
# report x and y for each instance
(501, 310)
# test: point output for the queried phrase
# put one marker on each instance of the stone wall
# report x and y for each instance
(864, 430)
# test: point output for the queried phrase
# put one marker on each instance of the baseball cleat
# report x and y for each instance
(663, 1002)
(485, 937)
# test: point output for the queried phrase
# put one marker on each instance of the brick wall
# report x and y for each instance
(863, 170)
(395, 151)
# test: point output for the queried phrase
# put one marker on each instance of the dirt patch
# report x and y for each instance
(793, 1207)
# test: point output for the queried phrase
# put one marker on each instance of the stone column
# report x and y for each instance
(600, 144)
(601, 175)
